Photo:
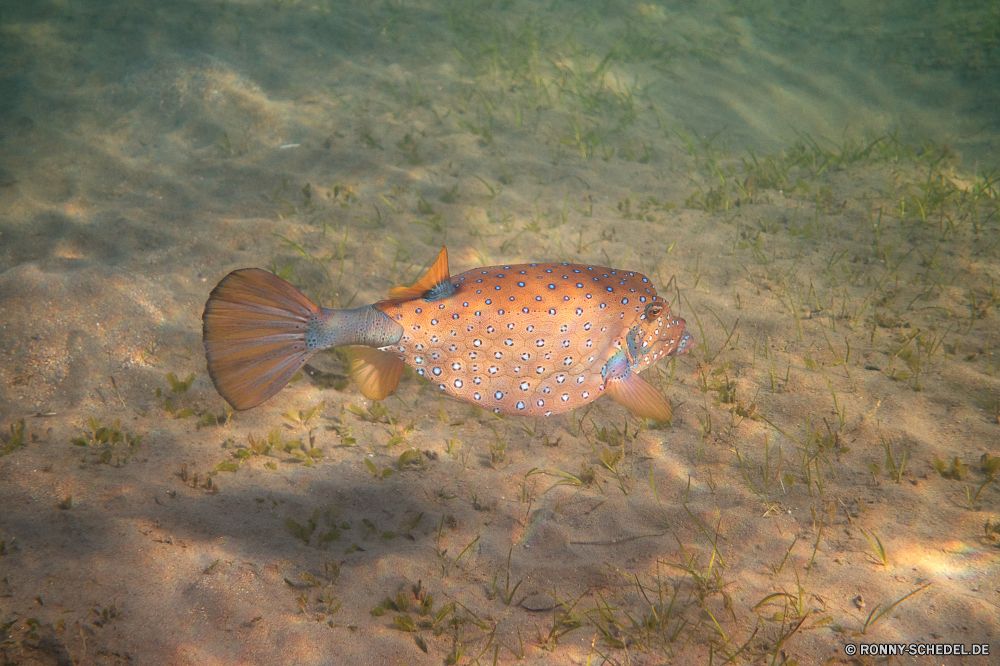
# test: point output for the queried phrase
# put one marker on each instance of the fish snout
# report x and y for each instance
(684, 346)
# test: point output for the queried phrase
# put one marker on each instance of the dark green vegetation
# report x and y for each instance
(961, 36)
(14, 440)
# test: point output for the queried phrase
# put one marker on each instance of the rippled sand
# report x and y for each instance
(813, 189)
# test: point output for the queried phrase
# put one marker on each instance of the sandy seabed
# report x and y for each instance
(826, 481)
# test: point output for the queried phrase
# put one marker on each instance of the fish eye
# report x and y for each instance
(653, 310)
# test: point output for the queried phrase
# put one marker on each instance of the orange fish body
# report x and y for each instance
(523, 339)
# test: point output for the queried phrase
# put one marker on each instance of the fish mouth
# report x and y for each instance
(684, 346)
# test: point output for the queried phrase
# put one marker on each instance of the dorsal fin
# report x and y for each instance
(431, 281)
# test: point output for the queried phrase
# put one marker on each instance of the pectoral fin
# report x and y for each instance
(639, 396)
(376, 373)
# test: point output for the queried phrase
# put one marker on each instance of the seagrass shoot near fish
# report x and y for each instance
(524, 339)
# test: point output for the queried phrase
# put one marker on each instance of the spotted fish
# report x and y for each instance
(524, 339)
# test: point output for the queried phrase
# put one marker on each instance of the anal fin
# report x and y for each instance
(376, 372)
(639, 396)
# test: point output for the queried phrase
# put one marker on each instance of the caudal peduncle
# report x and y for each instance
(366, 325)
